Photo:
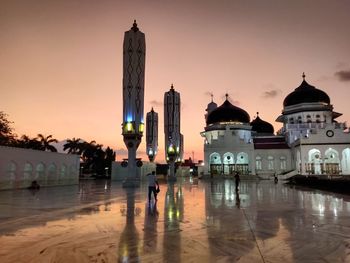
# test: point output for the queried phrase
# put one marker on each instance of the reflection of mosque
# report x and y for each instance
(311, 141)
(279, 231)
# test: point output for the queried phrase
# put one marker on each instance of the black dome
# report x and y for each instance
(306, 93)
(261, 126)
(228, 113)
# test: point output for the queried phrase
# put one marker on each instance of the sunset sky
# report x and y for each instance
(61, 61)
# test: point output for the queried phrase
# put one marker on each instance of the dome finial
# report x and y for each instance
(212, 97)
(257, 114)
(134, 26)
(303, 76)
(172, 86)
(226, 95)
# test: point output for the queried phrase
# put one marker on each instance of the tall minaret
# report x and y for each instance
(152, 134)
(134, 50)
(172, 129)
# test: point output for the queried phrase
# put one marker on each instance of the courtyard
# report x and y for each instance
(192, 221)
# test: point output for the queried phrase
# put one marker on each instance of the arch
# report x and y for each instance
(228, 162)
(215, 165)
(11, 171)
(242, 158)
(331, 161)
(63, 172)
(346, 161)
(40, 171)
(28, 171)
(214, 158)
(242, 163)
(314, 162)
(52, 171)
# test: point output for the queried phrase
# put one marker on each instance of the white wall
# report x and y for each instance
(19, 167)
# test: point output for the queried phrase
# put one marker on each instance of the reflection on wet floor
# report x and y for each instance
(193, 221)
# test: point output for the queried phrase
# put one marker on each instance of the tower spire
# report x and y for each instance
(226, 95)
(134, 26)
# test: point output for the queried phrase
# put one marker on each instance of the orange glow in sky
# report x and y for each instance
(61, 61)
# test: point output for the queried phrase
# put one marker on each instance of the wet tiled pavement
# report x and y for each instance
(193, 221)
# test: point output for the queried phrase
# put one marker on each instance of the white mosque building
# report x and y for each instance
(311, 141)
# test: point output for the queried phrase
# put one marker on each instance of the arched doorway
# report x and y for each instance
(215, 164)
(331, 162)
(228, 163)
(314, 165)
(346, 161)
(242, 163)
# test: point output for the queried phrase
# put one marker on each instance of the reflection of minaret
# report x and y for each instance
(173, 215)
(150, 228)
(152, 134)
(172, 129)
(129, 243)
(134, 49)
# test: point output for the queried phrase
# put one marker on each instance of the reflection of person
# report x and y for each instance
(237, 180)
(34, 186)
(238, 200)
(152, 183)
(276, 179)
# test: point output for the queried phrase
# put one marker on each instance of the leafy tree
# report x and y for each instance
(7, 136)
(73, 146)
(46, 143)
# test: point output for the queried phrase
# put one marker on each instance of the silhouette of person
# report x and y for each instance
(152, 183)
(238, 200)
(275, 179)
(237, 180)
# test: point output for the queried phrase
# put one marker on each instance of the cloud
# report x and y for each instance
(271, 93)
(156, 103)
(343, 75)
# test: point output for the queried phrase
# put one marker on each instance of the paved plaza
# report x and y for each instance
(193, 221)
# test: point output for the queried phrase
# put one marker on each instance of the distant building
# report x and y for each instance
(311, 141)
(152, 135)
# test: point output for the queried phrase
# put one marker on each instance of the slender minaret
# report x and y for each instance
(172, 129)
(134, 50)
(152, 134)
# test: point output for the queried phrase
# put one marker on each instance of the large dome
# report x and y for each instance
(306, 93)
(228, 113)
(261, 126)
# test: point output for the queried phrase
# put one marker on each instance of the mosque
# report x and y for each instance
(311, 141)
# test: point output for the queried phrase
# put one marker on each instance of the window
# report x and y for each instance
(283, 163)
(258, 165)
(270, 164)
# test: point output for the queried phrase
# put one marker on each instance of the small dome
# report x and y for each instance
(261, 126)
(306, 93)
(228, 113)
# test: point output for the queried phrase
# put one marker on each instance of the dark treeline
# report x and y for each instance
(94, 159)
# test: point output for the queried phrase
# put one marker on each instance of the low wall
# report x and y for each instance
(19, 167)
(119, 173)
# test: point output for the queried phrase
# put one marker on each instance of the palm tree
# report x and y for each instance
(74, 146)
(46, 143)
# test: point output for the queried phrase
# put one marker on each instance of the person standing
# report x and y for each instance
(237, 180)
(152, 183)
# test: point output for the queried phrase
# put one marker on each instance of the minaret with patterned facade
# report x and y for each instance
(134, 51)
(172, 129)
(152, 135)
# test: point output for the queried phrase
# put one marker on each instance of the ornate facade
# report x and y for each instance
(311, 141)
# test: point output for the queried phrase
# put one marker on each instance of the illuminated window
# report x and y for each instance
(270, 164)
(258, 163)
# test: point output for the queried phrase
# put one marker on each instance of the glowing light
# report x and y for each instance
(128, 127)
(141, 127)
(150, 152)
(129, 118)
(171, 149)
(177, 149)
